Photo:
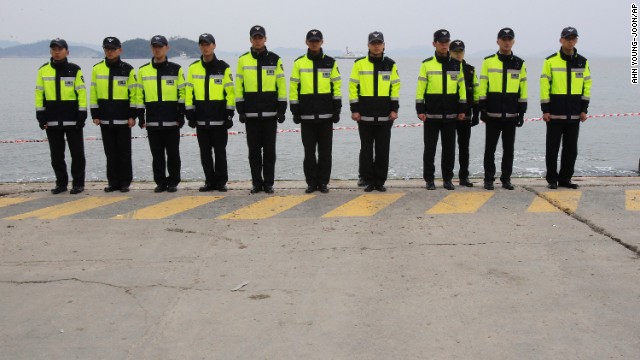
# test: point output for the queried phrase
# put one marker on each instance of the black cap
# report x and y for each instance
(111, 43)
(314, 34)
(207, 38)
(257, 30)
(376, 36)
(506, 33)
(59, 42)
(569, 31)
(159, 40)
(456, 45)
(442, 35)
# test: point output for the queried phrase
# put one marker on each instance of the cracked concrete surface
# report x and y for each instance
(497, 284)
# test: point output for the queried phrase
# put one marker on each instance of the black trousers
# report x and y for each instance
(463, 130)
(432, 129)
(213, 139)
(117, 148)
(76, 148)
(317, 135)
(161, 141)
(493, 131)
(261, 140)
(375, 140)
(567, 134)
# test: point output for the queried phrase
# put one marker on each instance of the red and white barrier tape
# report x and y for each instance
(296, 130)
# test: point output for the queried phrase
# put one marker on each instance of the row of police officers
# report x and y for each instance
(450, 99)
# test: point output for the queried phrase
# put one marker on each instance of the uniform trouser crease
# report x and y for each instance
(76, 148)
(493, 131)
(447, 132)
(214, 140)
(161, 141)
(374, 152)
(317, 135)
(117, 148)
(261, 141)
(567, 134)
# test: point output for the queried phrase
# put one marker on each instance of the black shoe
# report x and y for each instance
(206, 187)
(58, 189)
(567, 184)
(124, 189)
(160, 188)
(310, 189)
(110, 188)
(431, 185)
(369, 188)
(552, 185)
(361, 182)
(172, 188)
(466, 182)
(488, 185)
(507, 185)
(381, 188)
(222, 188)
(256, 189)
(76, 190)
(447, 184)
(268, 189)
(323, 188)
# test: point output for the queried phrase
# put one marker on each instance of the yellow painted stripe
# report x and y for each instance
(462, 203)
(364, 205)
(266, 208)
(553, 201)
(633, 200)
(168, 208)
(69, 208)
(12, 201)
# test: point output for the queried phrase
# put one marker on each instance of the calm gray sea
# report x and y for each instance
(608, 146)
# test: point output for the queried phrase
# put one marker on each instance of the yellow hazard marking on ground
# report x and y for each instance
(556, 201)
(168, 208)
(12, 201)
(633, 200)
(69, 208)
(461, 203)
(364, 205)
(266, 208)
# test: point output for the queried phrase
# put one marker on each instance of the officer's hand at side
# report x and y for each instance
(96, 121)
(228, 124)
(546, 117)
(461, 116)
(132, 122)
(141, 121)
(81, 118)
(355, 116)
(280, 117)
(42, 120)
(193, 124)
(242, 118)
(583, 116)
(296, 119)
(520, 120)
(475, 120)
(336, 118)
(393, 116)
(42, 125)
(422, 117)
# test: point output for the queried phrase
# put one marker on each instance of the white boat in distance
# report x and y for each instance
(349, 54)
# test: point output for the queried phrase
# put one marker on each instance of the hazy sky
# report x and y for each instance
(604, 26)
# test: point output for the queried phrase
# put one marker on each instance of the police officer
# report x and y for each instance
(61, 110)
(261, 100)
(565, 91)
(503, 102)
(161, 90)
(210, 104)
(472, 115)
(440, 101)
(374, 92)
(113, 108)
(315, 98)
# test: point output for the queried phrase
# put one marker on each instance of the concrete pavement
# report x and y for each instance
(531, 273)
